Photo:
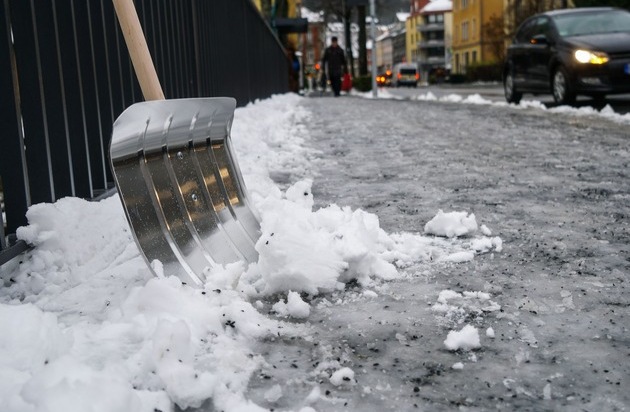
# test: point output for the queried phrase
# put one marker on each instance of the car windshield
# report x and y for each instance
(596, 22)
(407, 71)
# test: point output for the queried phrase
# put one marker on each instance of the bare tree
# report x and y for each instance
(494, 33)
(517, 11)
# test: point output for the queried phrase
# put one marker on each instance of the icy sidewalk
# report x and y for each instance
(551, 310)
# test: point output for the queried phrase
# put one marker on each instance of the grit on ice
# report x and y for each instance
(84, 322)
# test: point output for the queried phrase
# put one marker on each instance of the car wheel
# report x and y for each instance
(561, 87)
(511, 94)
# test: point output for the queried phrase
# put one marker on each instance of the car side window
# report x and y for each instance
(524, 33)
(541, 26)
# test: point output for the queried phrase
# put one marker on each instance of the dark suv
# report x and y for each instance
(568, 52)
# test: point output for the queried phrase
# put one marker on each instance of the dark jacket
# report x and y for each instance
(336, 61)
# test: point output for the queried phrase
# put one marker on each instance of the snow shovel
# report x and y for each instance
(177, 176)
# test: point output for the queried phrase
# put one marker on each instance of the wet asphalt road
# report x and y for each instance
(554, 187)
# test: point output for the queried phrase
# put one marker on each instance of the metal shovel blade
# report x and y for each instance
(181, 187)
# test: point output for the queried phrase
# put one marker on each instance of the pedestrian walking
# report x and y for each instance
(334, 62)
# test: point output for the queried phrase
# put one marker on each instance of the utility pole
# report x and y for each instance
(373, 35)
(347, 12)
(363, 67)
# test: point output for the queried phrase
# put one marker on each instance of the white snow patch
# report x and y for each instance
(607, 112)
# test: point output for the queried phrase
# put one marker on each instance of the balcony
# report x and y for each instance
(433, 61)
(425, 28)
(429, 44)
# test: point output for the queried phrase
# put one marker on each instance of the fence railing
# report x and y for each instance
(65, 75)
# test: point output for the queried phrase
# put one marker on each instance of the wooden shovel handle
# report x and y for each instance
(138, 50)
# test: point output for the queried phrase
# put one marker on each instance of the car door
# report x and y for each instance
(518, 53)
(539, 50)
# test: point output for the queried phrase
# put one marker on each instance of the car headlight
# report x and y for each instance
(585, 56)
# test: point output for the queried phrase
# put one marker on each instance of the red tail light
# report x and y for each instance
(399, 75)
(417, 76)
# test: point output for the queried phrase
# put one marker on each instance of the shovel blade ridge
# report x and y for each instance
(181, 187)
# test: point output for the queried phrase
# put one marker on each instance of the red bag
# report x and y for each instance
(346, 84)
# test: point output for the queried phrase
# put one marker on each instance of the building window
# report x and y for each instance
(440, 18)
(464, 4)
(474, 56)
(464, 31)
(474, 28)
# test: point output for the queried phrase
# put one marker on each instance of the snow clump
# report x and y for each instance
(453, 224)
(466, 339)
(342, 376)
(295, 307)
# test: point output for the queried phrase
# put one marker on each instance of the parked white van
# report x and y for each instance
(405, 74)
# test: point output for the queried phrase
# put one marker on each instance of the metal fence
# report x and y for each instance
(65, 75)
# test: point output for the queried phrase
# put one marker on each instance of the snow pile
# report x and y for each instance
(313, 252)
(607, 112)
(84, 322)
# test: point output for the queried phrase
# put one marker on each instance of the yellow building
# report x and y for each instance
(469, 44)
(286, 8)
(413, 36)
(273, 9)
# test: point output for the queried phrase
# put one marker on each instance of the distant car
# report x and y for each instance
(384, 79)
(405, 74)
(570, 52)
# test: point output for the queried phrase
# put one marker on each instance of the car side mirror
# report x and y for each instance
(539, 39)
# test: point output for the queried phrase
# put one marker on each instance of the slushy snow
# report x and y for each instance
(84, 321)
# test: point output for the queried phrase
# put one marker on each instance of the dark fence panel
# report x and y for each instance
(71, 100)
(13, 172)
(72, 76)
